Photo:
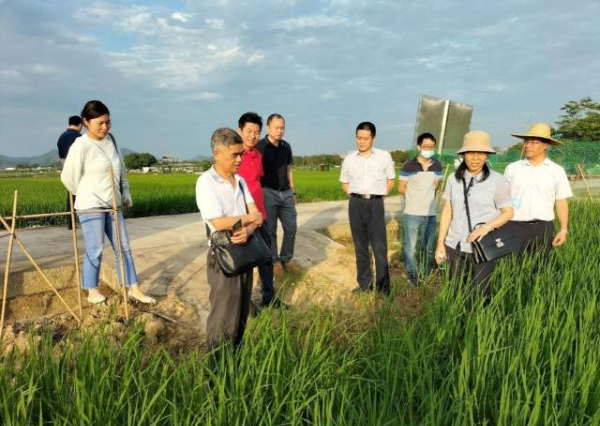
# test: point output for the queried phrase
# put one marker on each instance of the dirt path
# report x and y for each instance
(170, 254)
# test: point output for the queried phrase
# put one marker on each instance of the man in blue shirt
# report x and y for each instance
(64, 144)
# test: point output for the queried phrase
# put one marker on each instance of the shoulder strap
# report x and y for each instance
(243, 195)
(466, 196)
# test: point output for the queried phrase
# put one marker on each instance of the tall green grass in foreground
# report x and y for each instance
(531, 357)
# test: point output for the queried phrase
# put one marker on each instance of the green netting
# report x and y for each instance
(568, 155)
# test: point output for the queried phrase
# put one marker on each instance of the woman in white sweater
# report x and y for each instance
(86, 174)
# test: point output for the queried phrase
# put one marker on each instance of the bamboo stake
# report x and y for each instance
(118, 234)
(584, 181)
(76, 251)
(7, 267)
(42, 215)
(37, 267)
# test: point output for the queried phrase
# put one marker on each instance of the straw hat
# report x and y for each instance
(477, 141)
(539, 131)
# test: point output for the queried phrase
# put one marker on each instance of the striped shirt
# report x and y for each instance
(420, 186)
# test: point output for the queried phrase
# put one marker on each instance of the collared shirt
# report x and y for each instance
(535, 189)
(216, 197)
(276, 160)
(251, 169)
(65, 141)
(420, 186)
(368, 175)
(485, 201)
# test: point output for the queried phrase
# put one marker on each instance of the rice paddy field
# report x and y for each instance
(529, 357)
(153, 194)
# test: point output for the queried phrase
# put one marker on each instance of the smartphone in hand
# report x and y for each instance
(237, 226)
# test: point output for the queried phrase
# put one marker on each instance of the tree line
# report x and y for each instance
(580, 121)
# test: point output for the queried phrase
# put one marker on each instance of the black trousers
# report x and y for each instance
(536, 236)
(367, 223)
(229, 304)
(463, 264)
(265, 271)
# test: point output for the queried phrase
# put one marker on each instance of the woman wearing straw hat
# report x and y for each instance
(488, 195)
(538, 185)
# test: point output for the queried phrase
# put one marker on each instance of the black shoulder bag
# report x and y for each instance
(497, 243)
(237, 259)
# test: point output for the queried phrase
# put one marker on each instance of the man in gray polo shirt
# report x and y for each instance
(419, 179)
(367, 177)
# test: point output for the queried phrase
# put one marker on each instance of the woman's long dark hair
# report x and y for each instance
(460, 171)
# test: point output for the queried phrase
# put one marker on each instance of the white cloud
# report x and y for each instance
(257, 57)
(205, 96)
(215, 24)
(310, 21)
(306, 41)
(182, 17)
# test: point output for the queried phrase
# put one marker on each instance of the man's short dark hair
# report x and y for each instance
(75, 120)
(424, 136)
(272, 116)
(366, 125)
(250, 117)
(225, 137)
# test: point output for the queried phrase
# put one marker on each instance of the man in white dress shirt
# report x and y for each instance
(367, 177)
(538, 186)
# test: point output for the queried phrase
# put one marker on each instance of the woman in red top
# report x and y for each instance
(251, 169)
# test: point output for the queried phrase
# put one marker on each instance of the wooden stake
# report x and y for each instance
(584, 181)
(76, 251)
(445, 177)
(37, 267)
(118, 234)
(42, 215)
(8, 257)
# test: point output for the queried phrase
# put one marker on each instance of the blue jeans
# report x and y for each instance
(94, 227)
(412, 228)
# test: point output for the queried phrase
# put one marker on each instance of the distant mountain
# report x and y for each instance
(48, 159)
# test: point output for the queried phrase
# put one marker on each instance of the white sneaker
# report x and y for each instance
(95, 300)
(142, 299)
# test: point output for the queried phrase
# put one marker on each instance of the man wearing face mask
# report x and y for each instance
(419, 179)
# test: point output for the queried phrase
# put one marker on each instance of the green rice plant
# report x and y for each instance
(529, 357)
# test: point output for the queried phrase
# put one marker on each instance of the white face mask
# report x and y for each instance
(427, 154)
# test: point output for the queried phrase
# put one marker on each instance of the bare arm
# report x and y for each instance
(346, 188)
(390, 185)
(402, 187)
(562, 211)
(445, 218)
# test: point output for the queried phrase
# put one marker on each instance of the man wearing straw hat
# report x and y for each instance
(538, 185)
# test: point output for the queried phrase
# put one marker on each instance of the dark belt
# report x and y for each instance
(366, 196)
(280, 188)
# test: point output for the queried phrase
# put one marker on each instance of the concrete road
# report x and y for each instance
(170, 251)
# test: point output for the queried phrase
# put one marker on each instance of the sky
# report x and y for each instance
(171, 72)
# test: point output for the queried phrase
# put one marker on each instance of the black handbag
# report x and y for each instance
(497, 243)
(238, 259)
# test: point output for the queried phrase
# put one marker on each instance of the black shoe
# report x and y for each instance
(384, 291)
(276, 304)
